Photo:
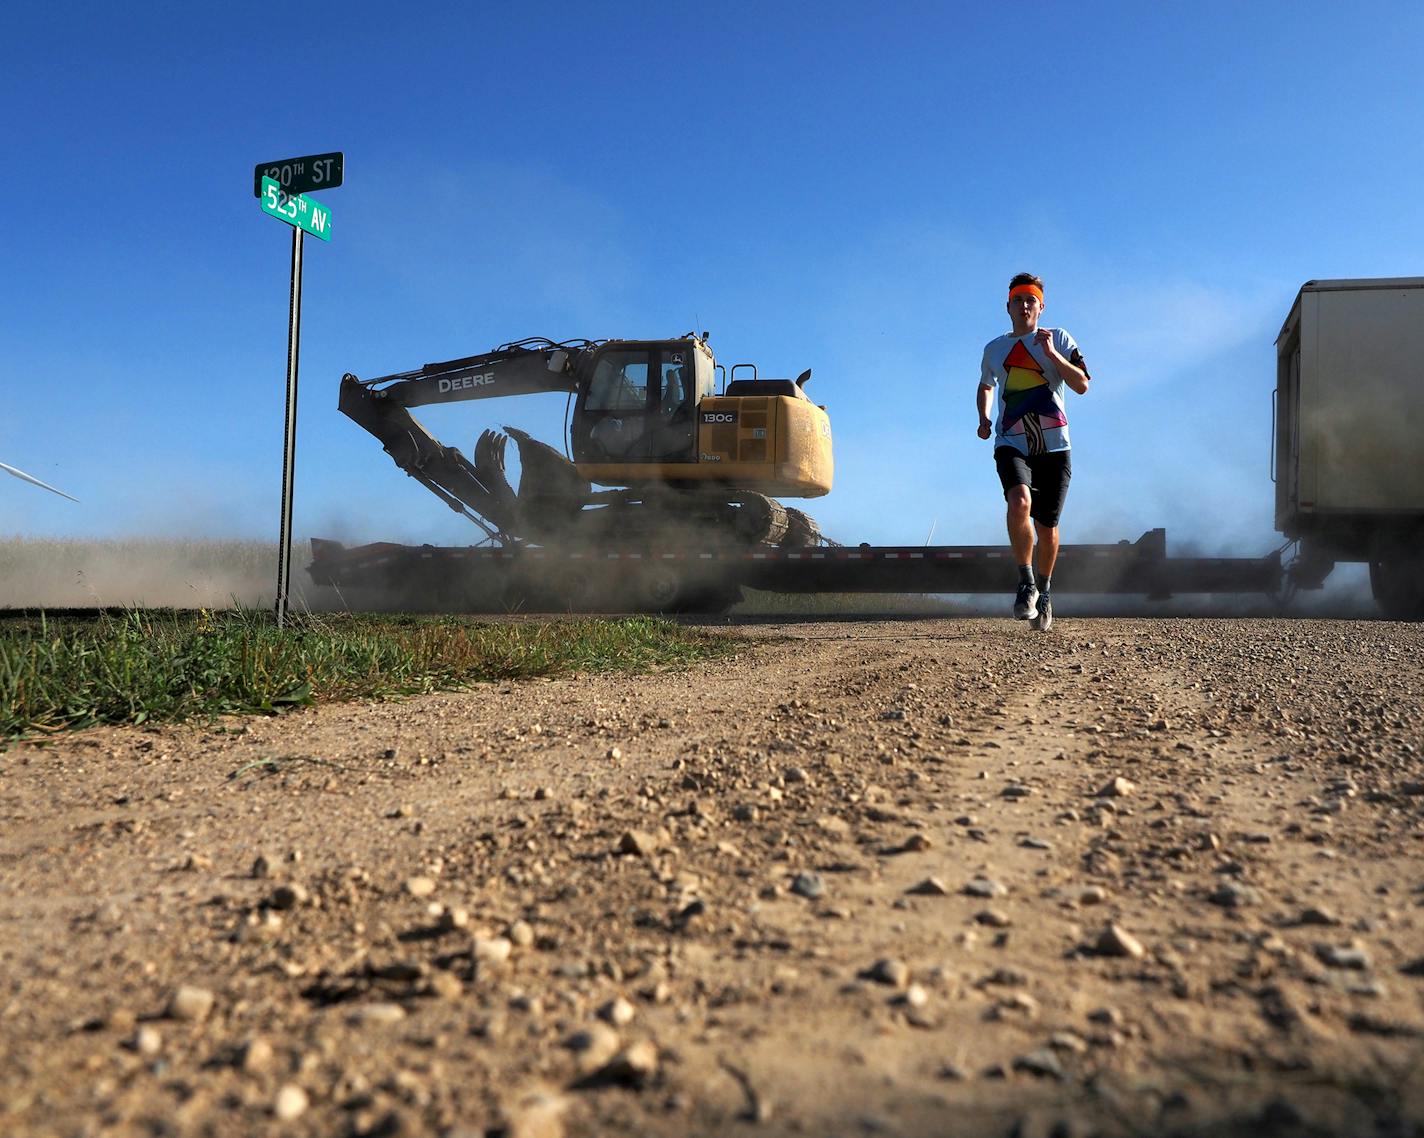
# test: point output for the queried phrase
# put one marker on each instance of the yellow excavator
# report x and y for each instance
(676, 461)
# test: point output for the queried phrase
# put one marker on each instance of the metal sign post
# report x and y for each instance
(284, 200)
(289, 434)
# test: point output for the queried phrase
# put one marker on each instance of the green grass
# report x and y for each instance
(137, 666)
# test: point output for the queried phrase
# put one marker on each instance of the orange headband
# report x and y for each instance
(1031, 289)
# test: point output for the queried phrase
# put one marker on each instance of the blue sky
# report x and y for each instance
(845, 187)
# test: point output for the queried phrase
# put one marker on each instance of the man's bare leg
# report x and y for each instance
(1020, 526)
(1047, 549)
(1021, 542)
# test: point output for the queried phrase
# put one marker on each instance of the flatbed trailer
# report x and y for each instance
(647, 579)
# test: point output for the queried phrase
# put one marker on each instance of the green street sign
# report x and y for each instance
(300, 211)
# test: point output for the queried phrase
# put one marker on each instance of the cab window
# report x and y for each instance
(620, 382)
(676, 384)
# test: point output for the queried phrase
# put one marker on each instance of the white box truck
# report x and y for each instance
(1348, 445)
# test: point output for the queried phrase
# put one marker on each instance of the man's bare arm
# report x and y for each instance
(1073, 375)
(985, 401)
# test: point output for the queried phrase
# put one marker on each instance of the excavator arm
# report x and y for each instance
(477, 489)
(523, 368)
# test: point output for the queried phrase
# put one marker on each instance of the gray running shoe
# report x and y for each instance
(1026, 602)
(1044, 620)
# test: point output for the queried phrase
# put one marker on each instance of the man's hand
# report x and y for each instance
(1044, 339)
(986, 427)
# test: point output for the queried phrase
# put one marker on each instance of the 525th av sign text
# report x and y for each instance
(304, 213)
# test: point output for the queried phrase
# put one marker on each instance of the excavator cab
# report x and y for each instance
(648, 413)
(639, 403)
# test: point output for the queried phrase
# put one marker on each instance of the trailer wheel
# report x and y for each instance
(712, 600)
(658, 587)
(1398, 586)
(596, 591)
(1397, 574)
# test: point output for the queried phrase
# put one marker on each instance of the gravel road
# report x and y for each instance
(912, 877)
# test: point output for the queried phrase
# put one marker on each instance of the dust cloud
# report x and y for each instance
(150, 572)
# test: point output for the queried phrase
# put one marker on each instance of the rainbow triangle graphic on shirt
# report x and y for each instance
(1023, 370)
(1029, 406)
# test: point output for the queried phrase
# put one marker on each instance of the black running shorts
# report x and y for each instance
(1046, 476)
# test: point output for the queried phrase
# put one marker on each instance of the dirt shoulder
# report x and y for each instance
(909, 877)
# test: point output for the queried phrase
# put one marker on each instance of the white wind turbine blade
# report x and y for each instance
(30, 478)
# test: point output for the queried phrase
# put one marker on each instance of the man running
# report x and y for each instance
(1028, 368)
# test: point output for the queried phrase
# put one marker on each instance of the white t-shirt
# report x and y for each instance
(1032, 418)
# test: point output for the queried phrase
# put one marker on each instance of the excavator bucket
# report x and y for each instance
(498, 502)
(551, 490)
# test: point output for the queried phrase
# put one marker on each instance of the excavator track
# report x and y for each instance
(760, 520)
(688, 518)
(554, 506)
(802, 531)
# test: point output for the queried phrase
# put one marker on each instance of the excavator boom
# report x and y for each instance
(524, 368)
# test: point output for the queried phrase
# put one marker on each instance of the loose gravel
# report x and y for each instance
(910, 877)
